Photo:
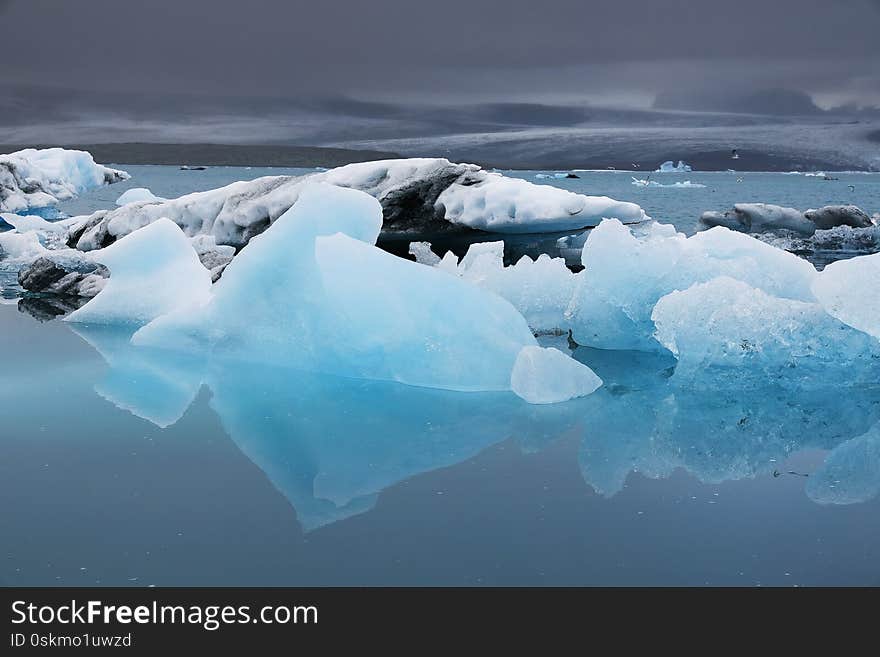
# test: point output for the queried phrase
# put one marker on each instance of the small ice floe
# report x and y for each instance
(671, 167)
(684, 184)
(138, 195)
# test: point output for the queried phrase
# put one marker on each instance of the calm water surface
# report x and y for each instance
(125, 467)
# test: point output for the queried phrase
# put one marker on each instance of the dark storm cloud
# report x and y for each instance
(522, 49)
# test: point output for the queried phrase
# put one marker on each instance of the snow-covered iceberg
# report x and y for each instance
(417, 195)
(34, 178)
(626, 273)
(763, 217)
(153, 271)
(759, 217)
(313, 293)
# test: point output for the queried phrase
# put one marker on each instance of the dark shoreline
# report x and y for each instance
(220, 154)
(317, 156)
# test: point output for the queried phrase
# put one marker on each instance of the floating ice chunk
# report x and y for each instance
(762, 217)
(138, 195)
(838, 215)
(759, 217)
(627, 274)
(482, 257)
(313, 292)
(511, 205)
(851, 472)
(423, 254)
(683, 184)
(729, 324)
(67, 272)
(37, 178)
(153, 271)
(547, 376)
(30, 223)
(847, 289)
(671, 167)
(540, 289)
(15, 246)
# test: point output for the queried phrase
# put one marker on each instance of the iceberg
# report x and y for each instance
(314, 293)
(831, 216)
(510, 205)
(153, 271)
(34, 178)
(671, 167)
(544, 375)
(66, 273)
(764, 217)
(540, 289)
(138, 195)
(18, 247)
(30, 223)
(847, 290)
(626, 274)
(423, 254)
(417, 195)
(730, 325)
(759, 217)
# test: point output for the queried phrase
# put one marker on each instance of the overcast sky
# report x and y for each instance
(561, 50)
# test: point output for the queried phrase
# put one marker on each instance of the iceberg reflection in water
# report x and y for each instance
(330, 445)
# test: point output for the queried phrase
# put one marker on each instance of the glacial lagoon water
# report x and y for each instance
(123, 466)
